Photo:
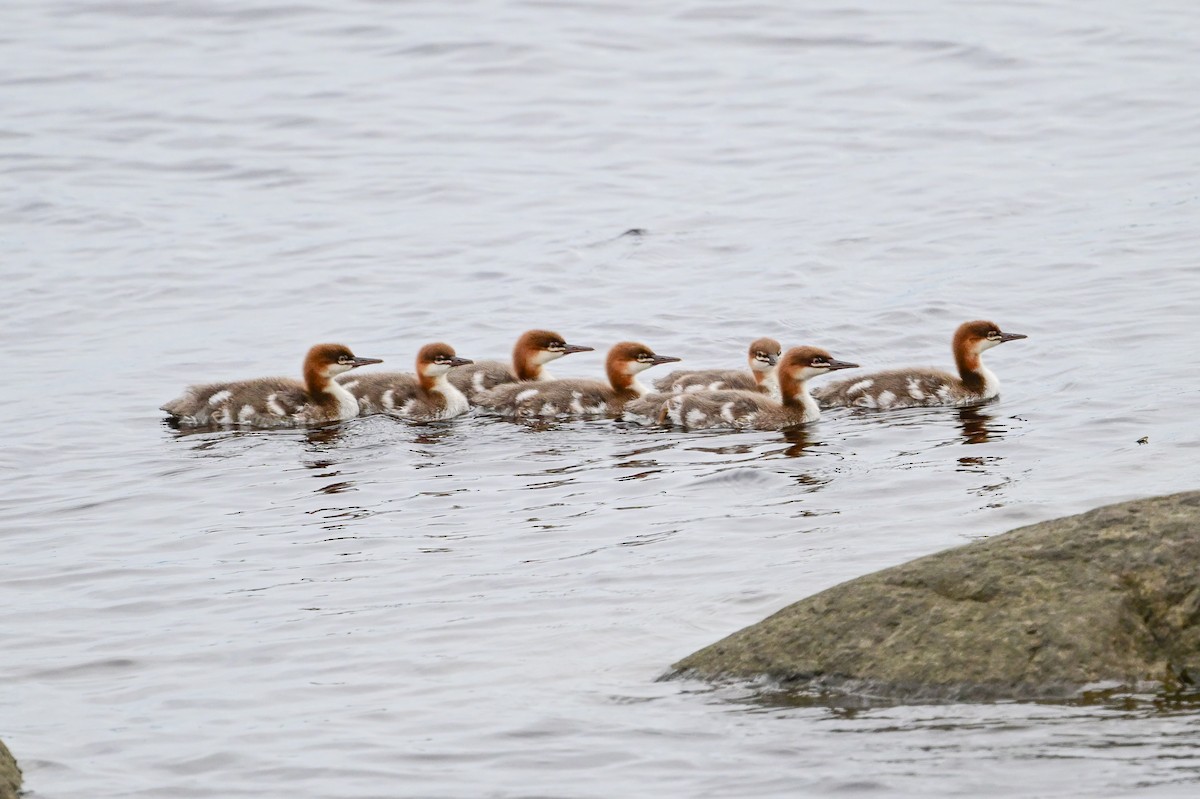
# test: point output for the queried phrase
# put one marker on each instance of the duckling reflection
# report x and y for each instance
(800, 442)
(978, 426)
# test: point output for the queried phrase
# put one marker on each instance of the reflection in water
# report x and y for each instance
(800, 441)
(978, 427)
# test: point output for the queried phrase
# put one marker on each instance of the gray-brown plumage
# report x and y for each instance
(533, 350)
(274, 401)
(646, 409)
(907, 388)
(751, 410)
(763, 355)
(548, 398)
(426, 396)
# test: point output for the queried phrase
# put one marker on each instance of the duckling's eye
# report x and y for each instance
(762, 356)
(819, 362)
(344, 359)
(993, 334)
(557, 345)
(645, 356)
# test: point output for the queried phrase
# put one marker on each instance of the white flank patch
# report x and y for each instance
(223, 416)
(527, 394)
(727, 412)
(688, 387)
(274, 407)
(865, 401)
(673, 407)
(407, 409)
(716, 385)
(477, 382)
(861, 385)
(577, 403)
(246, 414)
(914, 389)
(219, 397)
(943, 393)
(886, 398)
(549, 409)
(388, 400)
(696, 417)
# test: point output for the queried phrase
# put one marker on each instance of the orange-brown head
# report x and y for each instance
(536, 348)
(973, 338)
(626, 359)
(326, 360)
(764, 354)
(434, 360)
(981, 335)
(801, 364)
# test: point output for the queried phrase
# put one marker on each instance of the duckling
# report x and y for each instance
(752, 410)
(907, 388)
(579, 397)
(275, 401)
(427, 396)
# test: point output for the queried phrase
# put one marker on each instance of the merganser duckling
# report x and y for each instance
(751, 410)
(533, 350)
(427, 396)
(275, 401)
(579, 397)
(763, 355)
(907, 388)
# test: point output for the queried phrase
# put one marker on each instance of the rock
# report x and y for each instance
(1108, 598)
(10, 774)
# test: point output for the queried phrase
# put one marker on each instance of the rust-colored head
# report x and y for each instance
(981, 335)
(801, 364)
(536, 348)
(764, 354)
(334, 359)
(326, 360)
(434, 360)
(626, 359)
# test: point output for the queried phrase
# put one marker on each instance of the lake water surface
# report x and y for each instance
(200, 189)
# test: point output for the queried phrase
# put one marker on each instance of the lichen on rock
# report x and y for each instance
(10, 774)
(1110, 597)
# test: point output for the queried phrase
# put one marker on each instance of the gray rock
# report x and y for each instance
(10, 774)
(1108, 598)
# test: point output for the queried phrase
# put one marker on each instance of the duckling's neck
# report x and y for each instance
(623, 382)
(796, 398)
(327, 393)
(976, 377)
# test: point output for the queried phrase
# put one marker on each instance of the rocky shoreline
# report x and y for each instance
(1108, 599)
(10, 774)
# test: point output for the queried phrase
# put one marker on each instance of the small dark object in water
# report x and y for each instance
(1144, 440)
(635, 231)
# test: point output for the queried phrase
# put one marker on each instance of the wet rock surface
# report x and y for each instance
(1107, 598)
(10, 774)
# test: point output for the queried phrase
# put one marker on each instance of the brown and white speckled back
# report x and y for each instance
(552, 398)
(264, 402)
(739, 410)
(476, 378)
(898, 388)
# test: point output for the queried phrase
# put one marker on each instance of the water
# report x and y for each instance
(200, 190)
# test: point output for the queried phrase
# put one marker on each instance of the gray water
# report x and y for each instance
(198, 190)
